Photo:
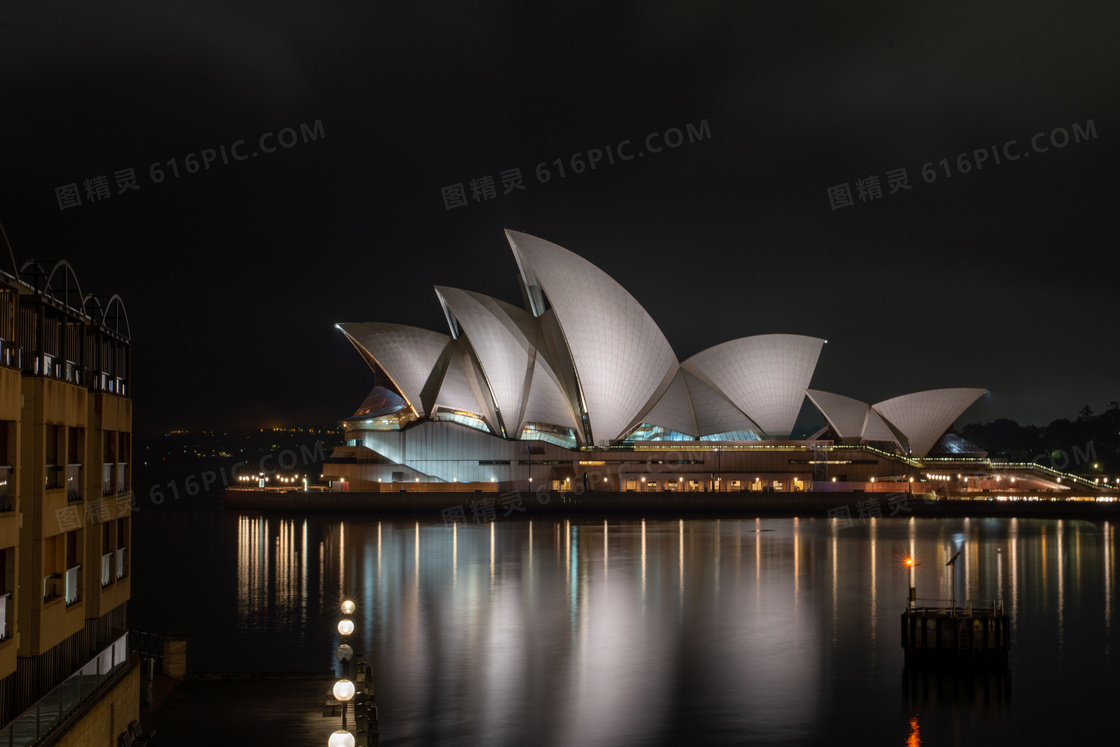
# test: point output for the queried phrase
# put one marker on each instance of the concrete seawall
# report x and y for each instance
(665, 502)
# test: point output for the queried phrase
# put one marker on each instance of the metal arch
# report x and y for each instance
(11, 254)
(121, 312)
(92, 299)
(101, 310)
(66, 291)
(34, 272)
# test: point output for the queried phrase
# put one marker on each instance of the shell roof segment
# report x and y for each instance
(923, 417)
(504, 339)
(621, 357)
(765, 376)
(407, 355)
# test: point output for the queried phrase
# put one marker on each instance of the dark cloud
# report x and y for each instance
(235, 275)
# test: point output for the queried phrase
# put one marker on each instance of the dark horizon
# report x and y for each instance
(234, 275)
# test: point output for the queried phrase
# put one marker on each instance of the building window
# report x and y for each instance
(54, 565)
(121, 563)
(7, 584)
(72, 587)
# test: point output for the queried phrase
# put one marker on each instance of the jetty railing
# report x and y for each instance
(971, 608)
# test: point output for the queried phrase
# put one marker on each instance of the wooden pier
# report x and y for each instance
(939, 631)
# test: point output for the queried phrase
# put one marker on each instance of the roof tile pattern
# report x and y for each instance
(406, 354)
(674, 409)
(765, 376)
(714, 414)
(546, 402)
(923, 417)
(847, 416)
(500, 336)
(620, 354)
(455, 391)
(877, 429)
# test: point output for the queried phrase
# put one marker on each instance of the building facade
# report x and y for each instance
(65, 493)
(578, 389)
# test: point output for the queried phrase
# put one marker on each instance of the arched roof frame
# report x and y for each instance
(45, 282)
(11, 254)
(110, 314)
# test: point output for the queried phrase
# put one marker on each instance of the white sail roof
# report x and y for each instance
(504, 338)
(674, 409)
(847, 416)
(923, 417)
(765, 376)
(546, 402)
(621, 357)
(877, 429)
(714, 414)
(406, 354)
(459, 389)
(851, 418)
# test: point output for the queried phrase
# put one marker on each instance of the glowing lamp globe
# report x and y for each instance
(344, 652)
(343, 690)
(345, 627)
(341, 738)
(348, 607)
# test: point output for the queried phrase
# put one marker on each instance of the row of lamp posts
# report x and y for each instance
(344, 690)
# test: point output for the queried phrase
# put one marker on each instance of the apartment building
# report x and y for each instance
(65, 509)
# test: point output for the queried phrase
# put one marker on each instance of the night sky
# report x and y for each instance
(1002, 277)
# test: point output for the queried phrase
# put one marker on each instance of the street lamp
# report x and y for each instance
(913, 592)
(345, 627)
(344, 691)
(341, 738)
(348, 607)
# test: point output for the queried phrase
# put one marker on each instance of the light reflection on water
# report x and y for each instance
(585, 631)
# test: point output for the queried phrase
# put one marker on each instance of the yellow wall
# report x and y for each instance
(63, 403)
(11, 406)
(50, 402)
(107, 412)
(8, 649)
(11, 391)
(107, 718)
(116, 413)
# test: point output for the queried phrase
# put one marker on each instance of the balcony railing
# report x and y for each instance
(5, 475)
(74, 482)
(9, 354)
(122, 481)
(120, 563)
(107, 478)
(73, 585)
(5, 599)
(56, 477)
(51, 583)
(105, 382)
(106, 569)
(53, 708)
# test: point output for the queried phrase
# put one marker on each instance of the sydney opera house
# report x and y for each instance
(578, 389)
